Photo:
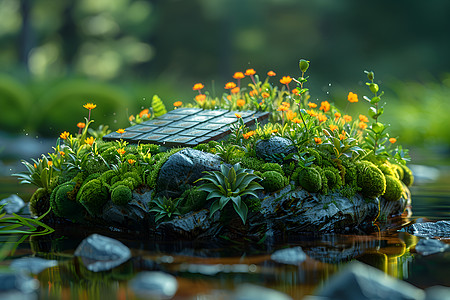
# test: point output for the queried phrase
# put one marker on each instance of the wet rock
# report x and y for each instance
(154, 284)
(17, 285)
(100, 253)
(183, 168)
(290, 256)
(255, 292)
(274, 149)
(13, 204)
(437, 293)
(33, 265)
(431, 246)
(439, 229)
(359, 281)
(133, 215)
(395, 208)
(295, 210)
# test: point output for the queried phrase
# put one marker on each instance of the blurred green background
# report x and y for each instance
(56, 56)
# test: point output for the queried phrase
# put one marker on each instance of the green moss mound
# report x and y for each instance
(95, 165)
(370, 179)
(107, 177)
(272, 167)
(121, 195)
(39, 202)
(310, 179)
(408, 177)
(273, 181)
(400, 173)
(334, 180)
(93, 195)
(63, 205)
(394, 189)
(251, 163)
(193, 200)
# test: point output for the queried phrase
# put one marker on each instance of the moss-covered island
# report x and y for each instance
(311, 168)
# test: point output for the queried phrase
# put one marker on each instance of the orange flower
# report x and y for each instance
(362, 125)
(333, 127)
(265, 95)
(121, 151)
(392, 140)
(229, 97)
(235, 90)
(363, 118)
(286, 104)
(240, 102)
(198, 86)
(347, 118)
(271, 73)
(296, 120)
(311, 113)
(144, 113)
(250, 72)
(120, 131)
(35, 166)
(230, 85)
(238, 115)
(89, 106)
(64, 135)
(90, 140)
(81, 125)
(342, 135)
(318, 140)
(274, 131)
(321, 117)
(50, 163)
(325, 106)
(290, 115)
(253, 93)
(248, 134)
(312, 105)
(352, 98)
(337, 115)
(286, 80)
(295, 91)
(61, 153)
(200, 98)
(238, 75)
(131, 118)
(177, 103)
(282, 108)
(131, 161)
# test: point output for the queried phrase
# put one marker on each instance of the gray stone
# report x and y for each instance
(33, 265)
(440, 229)
(13, 204)
(255, 292)
(154, 284)
(431, 246)
(17, 285)
(274, 149)
(437, 292)
(184, 168)
(100, 253)
(359, 281)
(290, 256)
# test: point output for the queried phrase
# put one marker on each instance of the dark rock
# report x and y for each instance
(440, 229)
(100, 253)
(395, 208)
(183, 168)
(254, 292)
(17, 285)
(33, 265)
(157, 285)
(290, 256)
(431, 246)
(359, 281)
(274, 149)
(13, 204)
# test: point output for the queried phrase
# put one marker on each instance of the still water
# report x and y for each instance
(206, 270)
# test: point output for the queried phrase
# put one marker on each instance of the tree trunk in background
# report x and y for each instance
(26, 38)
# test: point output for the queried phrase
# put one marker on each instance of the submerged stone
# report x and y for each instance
(154, 284)
(255, 292)
(17, 285)
(100, 253)
(440, 229)
(274, 149)
(13, 204)
(33, 265)
(431, 246)
(290, 256)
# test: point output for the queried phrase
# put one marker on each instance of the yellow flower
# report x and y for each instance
(312, 105)
(325, 106)
(296, 120)
(282, 108)
(392, 140)
(363, 118)
(274, 131)
(230, 85)
(200, 98)
(89, 106)
(362, 125)
(120, 131)
(240, 102)
(337, 115)
(90, 140)
(121, 151)
(318, 140)
(333, 127)
(238, 115)
(352, 98)
(347, 118)
(50, 163)
(321, 117)
(177, 103)
(198, 86)
(290, 115)
(64, 135)
(131, 161)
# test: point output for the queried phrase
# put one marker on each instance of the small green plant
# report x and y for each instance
(16, 224)
(230, 184)
(165, 208)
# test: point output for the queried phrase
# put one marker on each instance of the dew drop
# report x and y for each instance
(328, 93)
(26, 134)
(37, 136)
(114, 114)
(329, 84)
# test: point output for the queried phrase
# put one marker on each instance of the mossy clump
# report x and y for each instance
(95, 164)
(93, 195)
(334, 180)
(370, 179)
(90, 177)
(134, 175)
(408, 177)
(121, 195)
(251, 163)
(63, 205)
(400, 173)
(272, 167)
(149, 149)
(40, 202)
(314, 153)
(107, 176)
(350, 174)
(394, 189)
(193, 199)
(273, 181)
(310, 179)
(68, 175)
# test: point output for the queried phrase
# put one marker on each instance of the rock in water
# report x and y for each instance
(34, 265)
(359, 281)
(156, 285)
(430, 246)
(183, 168)
(439, 229)
(290, 256)
(274, 149)
(13, 204)
(100, 253)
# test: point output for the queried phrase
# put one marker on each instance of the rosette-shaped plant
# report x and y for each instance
(230, 184)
